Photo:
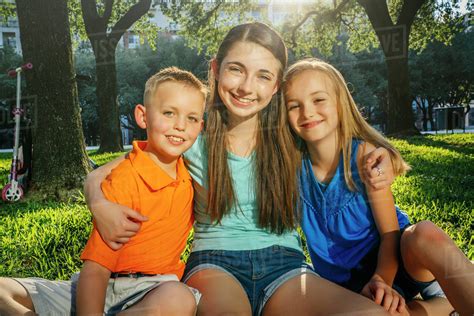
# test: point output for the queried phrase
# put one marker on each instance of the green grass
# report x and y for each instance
(45, 239)
(440, 185)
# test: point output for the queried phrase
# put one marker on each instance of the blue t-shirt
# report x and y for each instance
(239, 229)
(338, 223)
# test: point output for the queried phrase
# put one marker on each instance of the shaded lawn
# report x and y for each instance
(45, 239)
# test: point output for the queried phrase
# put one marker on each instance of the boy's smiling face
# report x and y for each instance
(173, 119)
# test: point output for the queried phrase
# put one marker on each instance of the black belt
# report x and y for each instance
(134, 275)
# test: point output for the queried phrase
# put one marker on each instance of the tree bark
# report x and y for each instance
(106, 90)
(59, 157)
(104, 45)
(430, 114)
(394, 40)
(424, 110)
(400, 119)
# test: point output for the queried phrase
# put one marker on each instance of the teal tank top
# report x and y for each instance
(239, 229)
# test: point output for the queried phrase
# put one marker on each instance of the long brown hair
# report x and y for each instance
(276, 161)
(351, 122)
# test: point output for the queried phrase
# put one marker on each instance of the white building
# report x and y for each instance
(10, 32)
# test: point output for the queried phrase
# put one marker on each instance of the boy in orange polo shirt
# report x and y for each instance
(143, 276)
(154, 181)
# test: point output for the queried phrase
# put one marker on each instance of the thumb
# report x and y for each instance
(135, 216)
(366, 292)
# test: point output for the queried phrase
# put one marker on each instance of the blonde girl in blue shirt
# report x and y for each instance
(352, 230)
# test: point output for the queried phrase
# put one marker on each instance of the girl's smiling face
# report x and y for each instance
(247, 79)
(312, 106)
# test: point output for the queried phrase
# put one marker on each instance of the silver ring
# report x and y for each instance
(379, 171)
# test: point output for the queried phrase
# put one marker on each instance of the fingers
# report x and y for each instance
(387, 300)
(130, 223)
(378, 169)
(402, 306)
(376, 155)
(128, 228)
(135, 215)
(122, 240)
(378, 295)
(394, 304)
(126, 234)
(113, 245)
(376, 174)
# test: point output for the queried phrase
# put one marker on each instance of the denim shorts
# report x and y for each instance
(260, 272)
(403, 282)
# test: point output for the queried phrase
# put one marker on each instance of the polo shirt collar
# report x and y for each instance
(152, 174)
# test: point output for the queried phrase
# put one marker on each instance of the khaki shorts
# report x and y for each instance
(59, 297)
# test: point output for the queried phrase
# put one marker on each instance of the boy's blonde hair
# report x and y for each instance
(351, 123)
(172, 74)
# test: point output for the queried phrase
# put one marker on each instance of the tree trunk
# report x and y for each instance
(109, 117)
(394, 42)
(104, 40)
(59, 157)
(430, 114)
(424, 111)
(421, 105)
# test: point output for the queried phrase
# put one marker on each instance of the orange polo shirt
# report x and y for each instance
(142, 185)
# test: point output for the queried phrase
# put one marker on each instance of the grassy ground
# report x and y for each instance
(45, 239)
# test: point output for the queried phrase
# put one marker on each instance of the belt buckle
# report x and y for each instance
(133, 275)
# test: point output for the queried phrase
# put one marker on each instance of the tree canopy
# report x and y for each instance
(314, 28)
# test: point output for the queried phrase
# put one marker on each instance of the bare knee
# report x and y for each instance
(422, 236)
(5, 296)
(7, 291)
(14, 299)
(179, 295)
(171, 298)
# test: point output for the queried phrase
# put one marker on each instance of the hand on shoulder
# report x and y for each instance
(375, 166)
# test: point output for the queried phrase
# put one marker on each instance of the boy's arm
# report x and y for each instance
(382, 204)
(115, 223)
(99, 259)
(91, 289)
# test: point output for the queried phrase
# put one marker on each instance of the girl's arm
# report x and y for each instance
(377, 171)
(379, 288)
(115, 223)
(91, 289)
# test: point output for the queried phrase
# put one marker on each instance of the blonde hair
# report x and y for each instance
(351, 122)
(172, 74)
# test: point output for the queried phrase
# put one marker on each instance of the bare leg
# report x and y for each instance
(14, 299)
(429, 253)
(308, 294)
(170, 298)
(221, 294)
(435, 306)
